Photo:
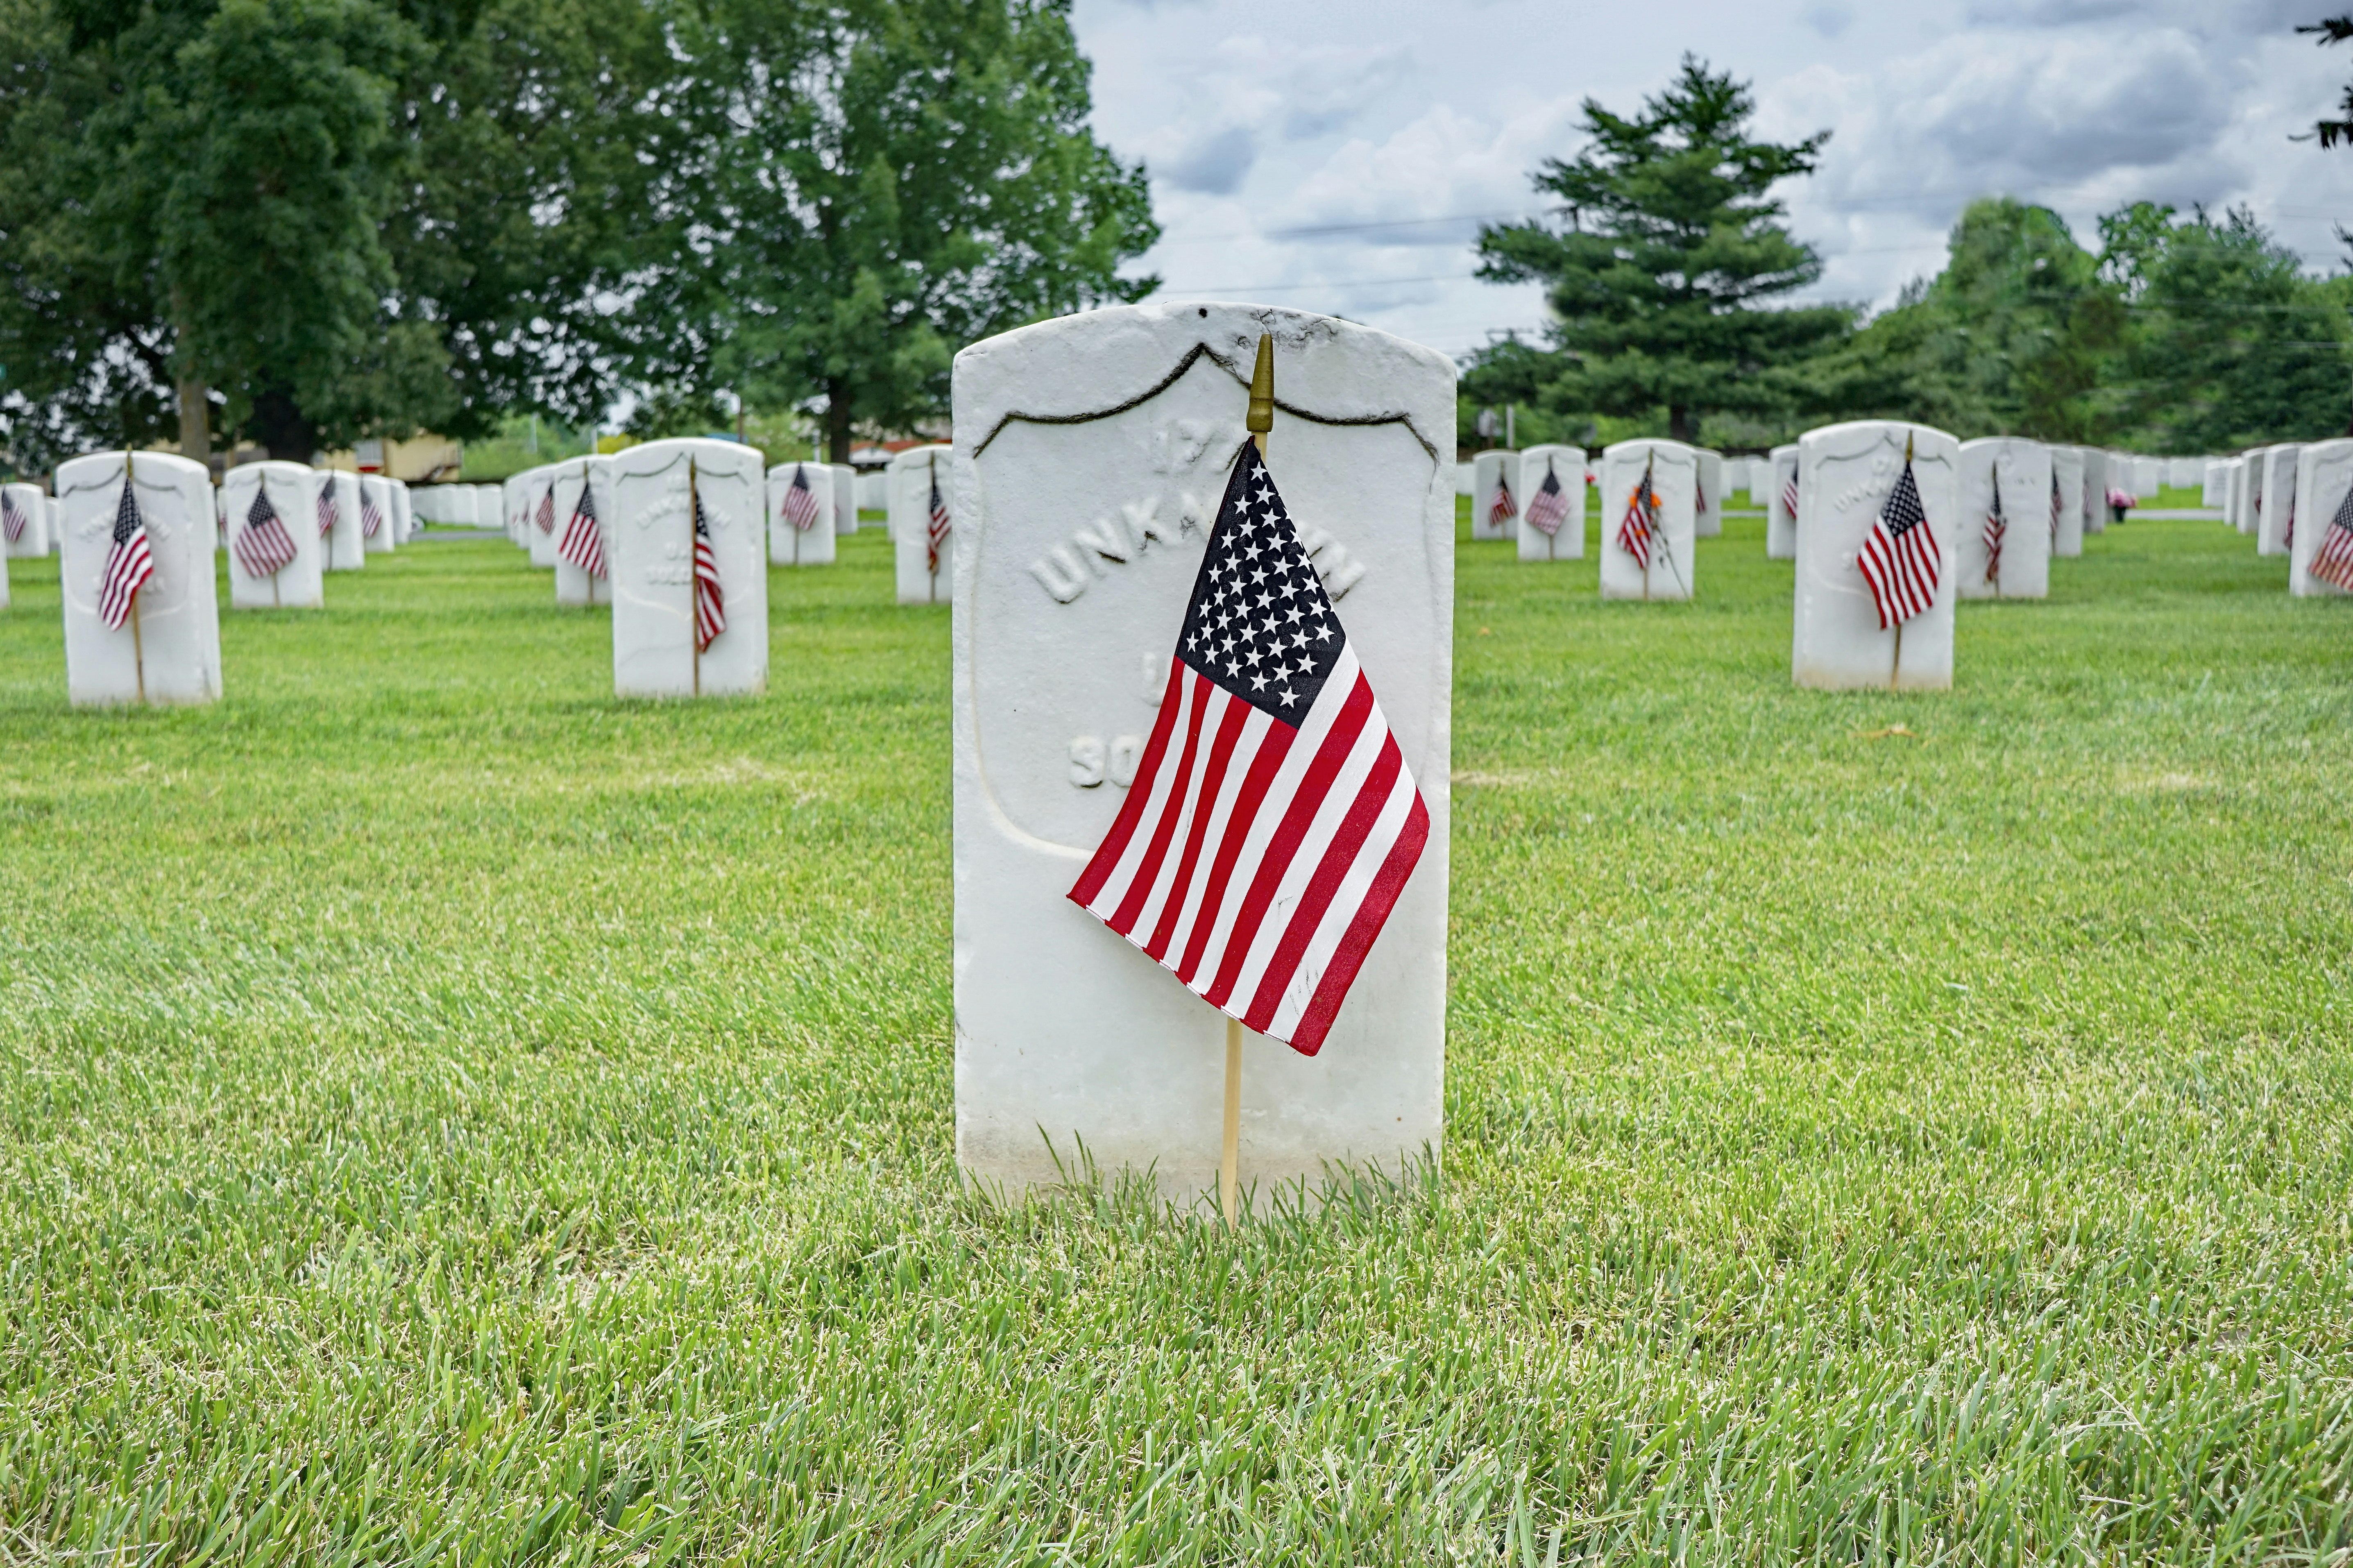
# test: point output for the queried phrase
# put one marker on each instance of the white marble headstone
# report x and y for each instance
(1845, 474)
(873, 491)
(1490, 473)
(2213, 485)
(792, 546)
(2324, 478)
(538, 483)
(1567, 465)
(1707, 504)
(574, 586)
(32, 506)
(2097, 481)
(1781, 522)
(345, 551)
(924, 576)
(845, 498)
(650, 553)
(404, 519)
(1675, 469)
(2021, 471)
(2067, 467)
(2279, 510)
(293, 489)
(377, 490)
(1084, 536)
(173, 653)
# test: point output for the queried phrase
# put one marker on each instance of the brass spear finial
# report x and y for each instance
(1262, 398)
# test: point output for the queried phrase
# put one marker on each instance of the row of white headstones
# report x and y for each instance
(643, 500)
(168, 649)
(2286, 495)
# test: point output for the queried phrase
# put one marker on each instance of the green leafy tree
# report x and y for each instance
(2232, 344)
(891, 179)
(1662, 267)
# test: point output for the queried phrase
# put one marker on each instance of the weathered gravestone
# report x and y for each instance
(1707, 500)
(1551, 488)
(568, 481)
(1495, 500)
(1846, 476)
(2097, 482)
(845, 498)
(378, 533)
(650, 552)
(2214, 486)
(292, 490)
(2067, 474)
(26, 532)
(2004, 554)
(1781, 505)
(166, 648)
(1093, 451)
(800, 515)
(404, 515)
(2324, 481)
(346, 551)
(2279, 509)
(920, 502)
(1656, 561)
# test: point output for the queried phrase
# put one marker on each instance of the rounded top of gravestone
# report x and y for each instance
(272, 467)
(105, 467)
(1788, 450)
(1084, 366)
(916, 456)
(1662, 447)
(727, 457)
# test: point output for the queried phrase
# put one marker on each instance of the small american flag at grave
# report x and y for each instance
(2333, 561)
(800, 501)
(546, 515)
(2056, 509)
(12, 519)
(370, 516)
(939, 524)
(1789, 497)
(264, 547)
(709, 605)
(1505, 508)
(1549, 510)
(327, 513)
(1638, 529)
(129, 562)
(582, 544)
(1997, 527)
(1272, 823)
(1899, 558)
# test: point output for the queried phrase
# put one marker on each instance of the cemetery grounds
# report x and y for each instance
(447, 1113)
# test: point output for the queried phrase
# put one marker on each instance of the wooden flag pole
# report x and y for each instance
(1261, 425)
(1895, 668)
(693, 583)
(138, 653)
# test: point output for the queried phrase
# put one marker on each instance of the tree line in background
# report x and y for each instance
(1668, 259)
(304, 222)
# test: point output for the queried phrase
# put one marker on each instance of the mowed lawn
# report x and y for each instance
(448, 1114)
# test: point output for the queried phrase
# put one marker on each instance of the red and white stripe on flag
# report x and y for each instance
(1503, 508)
(1261, 848)
(264, 548)
(1900, 560)
(2333, 561)
(710, 604)
(129, 561)
(582, 544)
(800, 501)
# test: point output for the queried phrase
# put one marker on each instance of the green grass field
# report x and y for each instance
(446, 1114)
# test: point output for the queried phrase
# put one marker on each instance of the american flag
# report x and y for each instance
(12, 520)
(1549, 510)
(2057, 508)
(1639, 528)
(370, 516)
(326, 504)
(800, 501)
(939, 534)
(1503, 508)
(1899, 558)
(264, 548)
(582, 544)
(2332, 562)
(546, 515)
(1996, 528)
(1789, 497)
(128, 563)
(1272, 823)
(709, 605)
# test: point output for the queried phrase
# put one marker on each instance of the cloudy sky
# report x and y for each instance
(1340, 154)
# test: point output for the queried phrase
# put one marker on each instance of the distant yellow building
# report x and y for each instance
(422, 460)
